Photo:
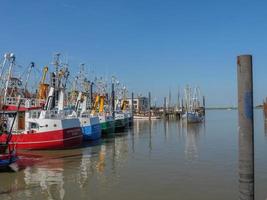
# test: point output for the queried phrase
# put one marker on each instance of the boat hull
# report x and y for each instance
(120, 125)
(91, 132)
(6, 160)
(91, 128)
(57, 139)
(108, 128)
(146, 117)
(192, 117)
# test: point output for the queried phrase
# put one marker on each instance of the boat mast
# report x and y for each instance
(169, 101)
(56, 64)
(11, 58)
(86, 97)
(63, 77)
(28, 75)
(178, 99)
(55, 81)
(3, 67)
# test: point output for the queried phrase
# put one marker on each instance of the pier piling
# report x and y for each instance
(149, 105)
(204, 105)
(246, 129)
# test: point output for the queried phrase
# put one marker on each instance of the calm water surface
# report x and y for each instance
(161, 160)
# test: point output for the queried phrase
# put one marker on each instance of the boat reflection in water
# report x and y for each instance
(145, 129)
(192, 157)
(67, 174)
(265, 125)
(192, 133)
(46, 172)
(49, 176)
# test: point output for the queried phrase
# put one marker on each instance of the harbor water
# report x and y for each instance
(157, 160)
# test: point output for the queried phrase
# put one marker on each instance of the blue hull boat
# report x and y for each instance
(91, 132)
(91, 128)
(6, 160)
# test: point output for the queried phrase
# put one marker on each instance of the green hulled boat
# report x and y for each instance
(107, 125)
(121, 122)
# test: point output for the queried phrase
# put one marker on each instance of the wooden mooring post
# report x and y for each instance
(246, 129)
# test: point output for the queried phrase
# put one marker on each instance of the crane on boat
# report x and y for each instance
(43, 87)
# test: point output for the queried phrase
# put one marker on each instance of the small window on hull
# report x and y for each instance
(34, 125)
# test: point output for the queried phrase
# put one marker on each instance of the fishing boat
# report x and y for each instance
(128, 117)
(121, 121)
(101, 108)
(192, 117)
(194, 112)
(44, 129)
(89, 123)
(107, 124)
(37, 125)
(122, 115)
(8, 155)
(91, 127)
(106, 119)
(7, 159)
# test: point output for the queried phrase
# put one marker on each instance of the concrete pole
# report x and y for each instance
(164, 108)
(149, 105)
(204, 105)
(246, 129)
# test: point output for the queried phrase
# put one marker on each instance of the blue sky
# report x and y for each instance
(151, 45)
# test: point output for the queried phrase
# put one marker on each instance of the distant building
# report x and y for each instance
(141, 104)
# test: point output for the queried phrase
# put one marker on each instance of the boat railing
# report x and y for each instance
(84, 115)
(29, 102)
(60, 114)
(34, 114)
(104, 114)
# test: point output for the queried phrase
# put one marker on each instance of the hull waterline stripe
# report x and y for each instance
(45, 141)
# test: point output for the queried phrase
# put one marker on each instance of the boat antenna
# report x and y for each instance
(32, 64)
(3, 66)
(11, 58)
